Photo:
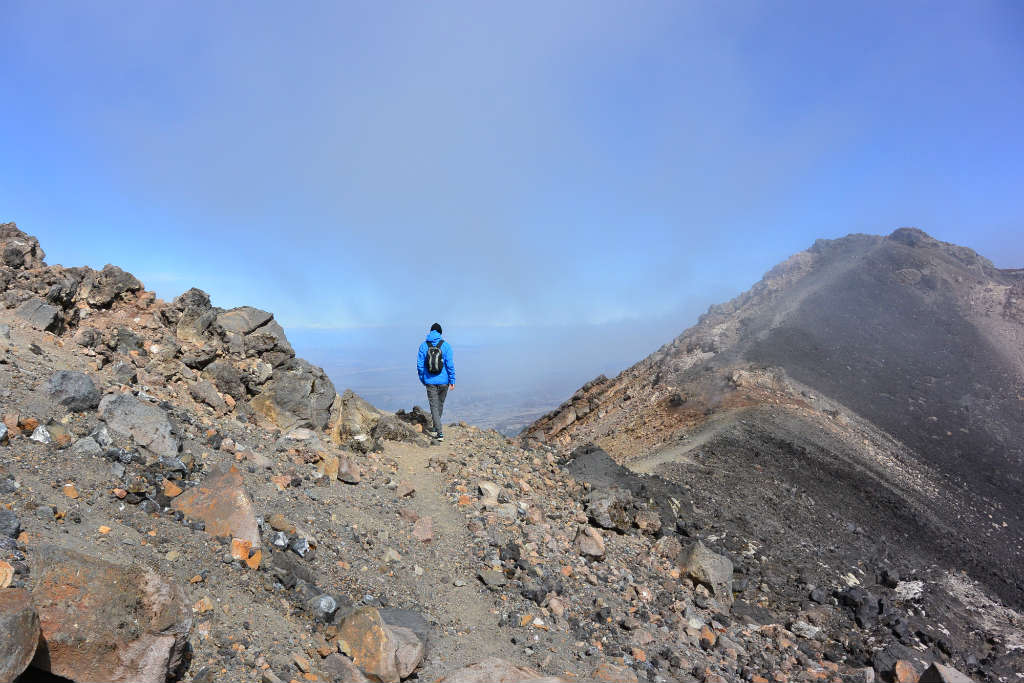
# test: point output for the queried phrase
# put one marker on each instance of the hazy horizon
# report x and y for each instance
(506, 377)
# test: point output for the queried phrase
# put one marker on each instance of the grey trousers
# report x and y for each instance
(436, 393)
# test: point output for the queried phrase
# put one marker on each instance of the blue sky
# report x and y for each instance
(493, 164)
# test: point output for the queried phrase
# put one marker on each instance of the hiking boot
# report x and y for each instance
(440, 436)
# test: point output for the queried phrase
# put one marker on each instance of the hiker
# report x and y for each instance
(437, 373)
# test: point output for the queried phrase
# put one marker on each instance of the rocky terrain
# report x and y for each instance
(181, 498)
(861, 406)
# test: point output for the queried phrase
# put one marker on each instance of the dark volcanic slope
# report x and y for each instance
(900, 349)
(906, 351)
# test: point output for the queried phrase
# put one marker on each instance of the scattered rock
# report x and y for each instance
(74, 390)
(204, 392)
(589, 542)
(939, 673)
(223, 504)
(608, 672)
(19, 625)
(423, 530)
(40, 315)
(146, 424)
(106, 622)
(493, 578)
(381, 651)
(708, 569)
(609, 508)
(341, 669)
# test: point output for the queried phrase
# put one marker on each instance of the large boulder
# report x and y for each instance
(391, 428)
(19, 625)
(352, 416)
(497, 670)
(40, 315)
(268, 338)
(103, 621)
(18, 250)
(709, 569)
(223, 504)
(298, 395)
(243, 320)
(74, 390)
(146, 424)
(385, 653)
(611, 508)
(101, 289)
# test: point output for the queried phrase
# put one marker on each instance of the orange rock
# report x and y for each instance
(171, 490)
(282, 481)
(11, 421)
(222, 502)
(384, 653)
(119, 493)
(639, 655)
(255, 557)
(6, 574)
(758, 679)
(104, 529)
(465, 500)
(904, 672)
(707, 637)
(607, 672)
(70, 491)
(203, 605)
(328, 466)
(240, 548)
(29, 424)
(198, 578)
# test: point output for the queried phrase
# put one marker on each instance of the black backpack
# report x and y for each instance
(435, 361)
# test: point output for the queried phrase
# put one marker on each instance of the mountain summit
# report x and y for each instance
(885, 374)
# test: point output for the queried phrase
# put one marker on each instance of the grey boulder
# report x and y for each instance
(74, 390)
(298, 395)
(40, 315)
(243, 319)
(20, 625)
(146, 424)
(611, 508)
(709, 569)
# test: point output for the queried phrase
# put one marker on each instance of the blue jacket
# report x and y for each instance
(447, 374)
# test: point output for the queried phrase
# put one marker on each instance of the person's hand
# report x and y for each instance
(451, 387)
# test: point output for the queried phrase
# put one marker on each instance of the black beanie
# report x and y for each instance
(436, 327)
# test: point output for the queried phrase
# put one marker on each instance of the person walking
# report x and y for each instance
(437, 373)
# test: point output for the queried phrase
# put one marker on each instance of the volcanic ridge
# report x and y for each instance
(821, 481)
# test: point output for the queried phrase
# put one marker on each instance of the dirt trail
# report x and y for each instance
(467, 614)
